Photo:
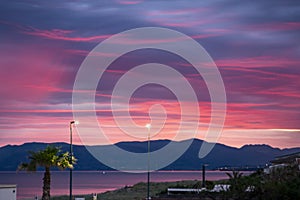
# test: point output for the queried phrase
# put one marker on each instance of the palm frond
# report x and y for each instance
(51, 156)
(22, 166)
(229, 175)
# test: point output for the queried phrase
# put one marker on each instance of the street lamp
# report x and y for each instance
(203, 175)
(71, 155)
(148, 126)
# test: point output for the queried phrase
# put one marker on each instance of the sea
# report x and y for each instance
(29, 185)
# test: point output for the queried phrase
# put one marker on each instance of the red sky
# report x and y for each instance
(254, 45)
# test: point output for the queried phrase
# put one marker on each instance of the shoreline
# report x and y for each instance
(136, 191)
(88, 182)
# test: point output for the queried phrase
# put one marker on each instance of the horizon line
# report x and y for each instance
(136, 141)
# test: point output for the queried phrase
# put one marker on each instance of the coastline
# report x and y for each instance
(136, 191)
(88, 182)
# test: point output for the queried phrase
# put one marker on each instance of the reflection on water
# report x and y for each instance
(87, 182)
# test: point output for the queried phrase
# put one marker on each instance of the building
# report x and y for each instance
(283, 161)
(8, 192)
(290, 159)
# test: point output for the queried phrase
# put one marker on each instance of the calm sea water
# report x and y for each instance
(87, 182)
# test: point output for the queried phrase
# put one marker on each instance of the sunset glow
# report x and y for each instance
(256, 51)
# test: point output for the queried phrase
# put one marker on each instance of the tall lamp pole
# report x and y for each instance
(203, 175)
(71, 155)
(148, 126)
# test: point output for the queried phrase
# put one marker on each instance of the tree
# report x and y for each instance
(49, 157)
(234, 178)
(237, 183)
(282, 183)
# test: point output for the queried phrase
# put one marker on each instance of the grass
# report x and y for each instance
(137, 191)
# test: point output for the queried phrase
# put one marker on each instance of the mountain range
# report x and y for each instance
(221, 156)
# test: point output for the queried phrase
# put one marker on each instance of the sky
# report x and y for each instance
(255, 46)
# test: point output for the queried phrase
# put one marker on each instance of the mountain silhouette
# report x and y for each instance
(221, 156)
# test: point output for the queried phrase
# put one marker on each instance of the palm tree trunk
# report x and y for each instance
(46, 186)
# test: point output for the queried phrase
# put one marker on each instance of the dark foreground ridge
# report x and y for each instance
(221, 157)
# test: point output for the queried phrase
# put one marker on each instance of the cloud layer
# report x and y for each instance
(255, 46)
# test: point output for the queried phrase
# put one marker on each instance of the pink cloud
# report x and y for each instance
(26, 75)
(115, 71)
(179, 12)
(279, 92)
(19, 129)
(240, 137)
(208, 35)
(77, 52)
(90, 53)
(270, 78)
(175, 23)
(55, 34)
(274, 26)
(129, 2)
(42, 128)
(259, 116)
(257, 62)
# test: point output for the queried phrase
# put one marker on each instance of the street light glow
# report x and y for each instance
(74, 122)
(148, 126)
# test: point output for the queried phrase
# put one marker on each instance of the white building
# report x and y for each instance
(283, 161)
(8, 192)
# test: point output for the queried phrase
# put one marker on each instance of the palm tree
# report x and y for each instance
(237, 184)
(234, 176)
(49, 157)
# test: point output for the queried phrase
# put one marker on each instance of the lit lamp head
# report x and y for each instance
(148, 126)
(74, 122)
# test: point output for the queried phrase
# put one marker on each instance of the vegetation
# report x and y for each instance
(238, 185)
(47, 158)
(137, 191)
(281, 183)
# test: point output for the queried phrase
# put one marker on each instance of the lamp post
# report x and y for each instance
(148, 126)
(203, 175)
(71, 155)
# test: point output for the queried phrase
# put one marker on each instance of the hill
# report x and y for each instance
(221, 155)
